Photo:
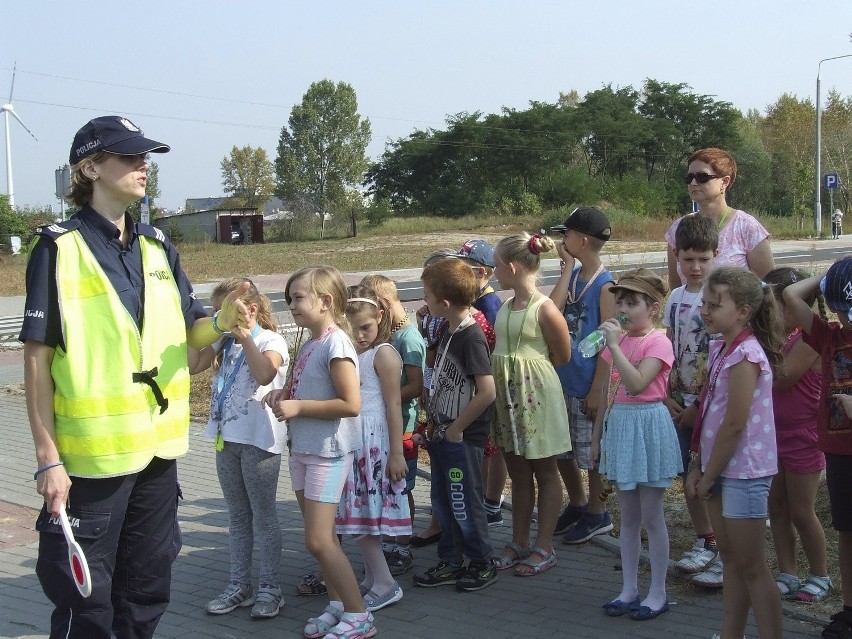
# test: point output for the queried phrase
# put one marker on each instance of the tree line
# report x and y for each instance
(622, 145)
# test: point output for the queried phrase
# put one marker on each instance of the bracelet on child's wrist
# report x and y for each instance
(46, 467)
(216, 326)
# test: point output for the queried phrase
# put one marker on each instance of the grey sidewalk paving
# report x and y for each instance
(564, 601)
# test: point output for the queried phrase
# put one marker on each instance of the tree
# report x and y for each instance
(323, 151)
(152, 190)
(248, 176)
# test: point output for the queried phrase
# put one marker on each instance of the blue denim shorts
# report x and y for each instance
(743, 498)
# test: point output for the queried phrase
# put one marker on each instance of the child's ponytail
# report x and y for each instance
(746, 289)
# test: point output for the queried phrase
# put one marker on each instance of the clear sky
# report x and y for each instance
(205, 76)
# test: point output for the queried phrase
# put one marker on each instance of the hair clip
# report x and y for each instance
(365, 300)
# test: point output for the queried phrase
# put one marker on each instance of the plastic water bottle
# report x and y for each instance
(595, 341)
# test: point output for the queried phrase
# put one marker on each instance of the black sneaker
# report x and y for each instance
(399, 563)
(840, 626)
(568, 518)
(444, 574)
(494, 519)
(477, 577)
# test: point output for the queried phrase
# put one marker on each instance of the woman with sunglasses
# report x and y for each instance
(743, 241)
(109, 315)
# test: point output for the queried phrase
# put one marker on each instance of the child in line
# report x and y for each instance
(635, 441)
(792, 496)
(249, 441)
(406, 339)
(373, 502)
(583, 294)
(696, 246)
(737, 455)
(479, 255)
(432, 327)
(321, 404)
(460, 407)
(531, 426)
(833, 342)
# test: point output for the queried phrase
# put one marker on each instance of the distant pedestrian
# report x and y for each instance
(836, 224)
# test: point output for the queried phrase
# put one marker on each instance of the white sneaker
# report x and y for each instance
(711, 577)
(696, 558)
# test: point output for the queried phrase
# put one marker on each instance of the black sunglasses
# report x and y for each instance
(701, 178)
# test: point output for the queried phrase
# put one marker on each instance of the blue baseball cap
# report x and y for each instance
(836, 286)
(113, 134)
(479, 251)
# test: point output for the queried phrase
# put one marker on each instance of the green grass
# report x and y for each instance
(401, 242)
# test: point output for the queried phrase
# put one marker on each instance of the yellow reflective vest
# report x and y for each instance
(108, 421)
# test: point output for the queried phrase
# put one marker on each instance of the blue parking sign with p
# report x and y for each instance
(830, 181)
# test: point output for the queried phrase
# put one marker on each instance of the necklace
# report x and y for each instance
(398, 325)
(513, 355)
(572, 291)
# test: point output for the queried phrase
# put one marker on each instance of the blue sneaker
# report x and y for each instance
(587, 527)
(570, 516)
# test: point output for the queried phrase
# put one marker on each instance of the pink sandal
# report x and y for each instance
(548, 561)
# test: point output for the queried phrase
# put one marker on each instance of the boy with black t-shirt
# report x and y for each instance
(460, 404)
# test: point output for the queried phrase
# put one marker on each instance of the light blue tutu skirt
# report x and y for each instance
(639, 446)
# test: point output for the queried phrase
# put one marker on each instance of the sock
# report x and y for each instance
(329, 619)
(709, 540)
(492, 507)
(402, 549)
(388, 546)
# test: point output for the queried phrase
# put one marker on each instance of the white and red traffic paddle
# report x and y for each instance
(79, 565)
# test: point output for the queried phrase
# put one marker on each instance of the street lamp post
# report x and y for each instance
(818, 177)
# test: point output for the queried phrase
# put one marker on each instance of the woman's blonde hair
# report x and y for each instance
(356, 306)
(524, 249)
(82, 187)
(324, 280)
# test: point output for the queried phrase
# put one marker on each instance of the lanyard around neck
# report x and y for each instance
(573, 298)
(716, 370)
(513, 355)
(225, 382)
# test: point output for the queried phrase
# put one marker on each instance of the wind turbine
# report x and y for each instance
(8, 110)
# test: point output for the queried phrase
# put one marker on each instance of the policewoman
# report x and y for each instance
(109, 314)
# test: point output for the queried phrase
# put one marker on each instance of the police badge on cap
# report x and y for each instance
(113, 134)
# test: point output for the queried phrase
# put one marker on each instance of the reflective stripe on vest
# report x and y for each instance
(107, 424)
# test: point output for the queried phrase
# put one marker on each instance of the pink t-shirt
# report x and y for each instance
(739, 237)
(756, 454)
(656, 345)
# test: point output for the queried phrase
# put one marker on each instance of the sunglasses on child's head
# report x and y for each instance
(701, 178)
